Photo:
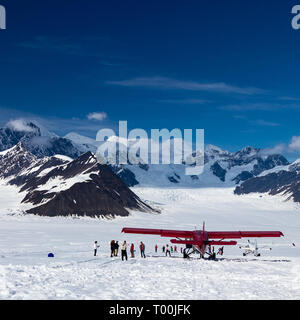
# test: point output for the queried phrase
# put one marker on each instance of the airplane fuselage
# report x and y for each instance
(201, 237)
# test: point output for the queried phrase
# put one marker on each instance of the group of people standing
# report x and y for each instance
(169, 249)
(114, 246)
(114, 249)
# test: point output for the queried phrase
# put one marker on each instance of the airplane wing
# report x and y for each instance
(161, 232)
(243, 234)
(211, 234)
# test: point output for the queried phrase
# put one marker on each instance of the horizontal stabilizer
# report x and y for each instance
(197, 243)
(222, 243)
(191, 242)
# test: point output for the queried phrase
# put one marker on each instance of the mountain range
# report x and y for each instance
(284, 180)
(222, 168)
(61, 175)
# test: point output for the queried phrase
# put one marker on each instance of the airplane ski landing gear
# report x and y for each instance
(187, 252)
(212, 256)
(255, 254)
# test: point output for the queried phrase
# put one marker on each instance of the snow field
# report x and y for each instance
(27, 273)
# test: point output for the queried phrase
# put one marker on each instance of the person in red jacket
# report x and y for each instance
(156, 248)
(132, 250)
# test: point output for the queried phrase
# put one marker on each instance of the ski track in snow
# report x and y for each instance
(27, 273)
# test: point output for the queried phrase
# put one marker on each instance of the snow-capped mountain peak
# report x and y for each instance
(281, 179)
(246, 152)
(212, 149)
(35, 139)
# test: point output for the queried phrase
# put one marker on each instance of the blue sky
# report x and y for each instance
(230, 67)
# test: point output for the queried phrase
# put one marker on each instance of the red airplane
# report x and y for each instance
(198, 240)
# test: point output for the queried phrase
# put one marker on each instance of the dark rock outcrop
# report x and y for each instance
(270, 162)
(104, 194)
(127, 176)
(218, 171)
(285, 182)
(243, 176)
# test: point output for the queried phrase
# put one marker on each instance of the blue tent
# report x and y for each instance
(50, 255)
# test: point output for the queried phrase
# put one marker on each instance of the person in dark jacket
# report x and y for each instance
(124, 250)
(116, 248)
(142, 249)
(112, 248)
(168, 252)
(96, 246)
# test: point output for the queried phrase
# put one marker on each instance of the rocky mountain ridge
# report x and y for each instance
(61, 186)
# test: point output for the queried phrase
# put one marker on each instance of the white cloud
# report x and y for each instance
(184, 101)
(278, 149)
(264, 123)
(292, 148)
(169, 83)
(97, 116)
(289, 98)
(260, 106)
(251, 107)
(294, 145)
(20, 125)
